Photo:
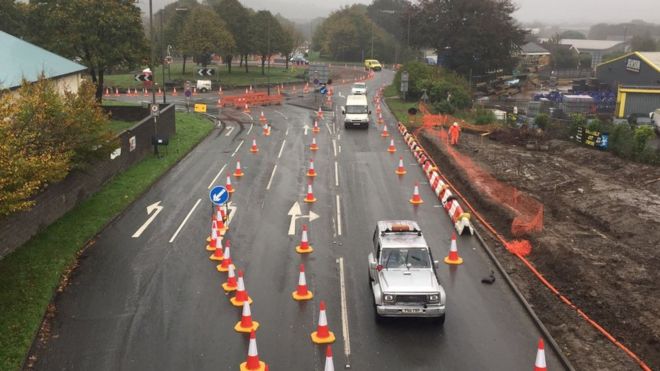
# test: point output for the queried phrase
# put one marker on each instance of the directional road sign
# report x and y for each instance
(144, 77)
(323, 90)
(219, 195)
(206, 71)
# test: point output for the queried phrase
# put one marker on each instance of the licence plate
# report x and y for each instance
(411, 310)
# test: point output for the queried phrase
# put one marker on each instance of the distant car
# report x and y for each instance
(372, 64)
(298, 59)
(203, 86)
(402, 273)
(359, 88)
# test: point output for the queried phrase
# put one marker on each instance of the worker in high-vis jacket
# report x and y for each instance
(454, 133)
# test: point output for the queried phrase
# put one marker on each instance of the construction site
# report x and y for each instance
(578, 231)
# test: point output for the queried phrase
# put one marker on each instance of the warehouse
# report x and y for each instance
(636, 101)
(636, 69)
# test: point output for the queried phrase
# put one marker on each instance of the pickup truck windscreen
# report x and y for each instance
(400, 258)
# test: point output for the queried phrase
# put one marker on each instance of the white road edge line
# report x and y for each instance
(237, 148)
(250, 129)
(344, 312)
(185, 220)
(286, 118)
(287, 131)
(281, 149)
(336, 174)
(217, 176)
(338, 217)
(271, 177)
(334, 147)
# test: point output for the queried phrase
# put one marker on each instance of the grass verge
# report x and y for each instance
(399, 107)
(117, 126)
(30, 275)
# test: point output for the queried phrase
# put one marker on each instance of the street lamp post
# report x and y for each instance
(153, 85)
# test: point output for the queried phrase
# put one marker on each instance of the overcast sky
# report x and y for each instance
(547, 11)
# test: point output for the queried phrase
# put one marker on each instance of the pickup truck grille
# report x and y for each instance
(410, 299)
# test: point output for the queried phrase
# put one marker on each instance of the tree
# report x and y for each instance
(475, 36)
(204, 33)
(12, 20)
(174, 16)
(570, 34)
(102, 33)
(643, 43)
(290, 38)
(264, 33)
(237, 19)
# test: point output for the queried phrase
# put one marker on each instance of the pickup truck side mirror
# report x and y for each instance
(372, 265)
(343, 110)
(436, 264)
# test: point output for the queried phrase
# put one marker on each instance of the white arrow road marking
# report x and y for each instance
(185, 220)
(344, 313)
(232, 211)
(153, 207)
(217, 176)
(296, 213)
(229, 130)
(306, 128)
(216, 198)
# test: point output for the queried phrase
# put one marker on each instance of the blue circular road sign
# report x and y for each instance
(219, 195)
(323, 90)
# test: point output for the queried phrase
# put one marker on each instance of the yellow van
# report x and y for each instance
(372, 64)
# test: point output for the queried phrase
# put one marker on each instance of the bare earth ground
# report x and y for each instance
(600, 244)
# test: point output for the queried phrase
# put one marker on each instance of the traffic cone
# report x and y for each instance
(220, 90)
(246, 324)
(319, 114)
(416, 199)
(540, 364)
(238, 172)
(116, 92)
(213, 243)
(301, 292)
(253, 363)
(231, 284)
(228, 185)
(385, 133)
(400, 170)
(262, 118)
(250, 87)
(174, 93)
(316, 127)
(107, 92)
(221, 227)
(380, 119)
(323, 335)
(217, 254)
(160, 92)
(453, 257)
(226, 262)
(329, 364)
(241, 295)
(246, 109)
(194, 90)
(304, 247)
(266, 129)
(311, 172)
(254, 148)
(391, 148)
(314, 146)
(378, 109)
(144, 92)
(310, 194)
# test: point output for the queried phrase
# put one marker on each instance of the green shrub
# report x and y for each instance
(641, 138)
(444, 107)
(484, 117)
(621, 141)
(542, 120)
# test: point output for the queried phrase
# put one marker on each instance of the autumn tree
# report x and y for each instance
(264, 33)
(237, 19)
(174, 16)
(204, 32)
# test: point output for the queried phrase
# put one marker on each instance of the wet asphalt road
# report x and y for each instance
(155, 302)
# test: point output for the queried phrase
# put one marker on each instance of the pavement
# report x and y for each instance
(154, 302)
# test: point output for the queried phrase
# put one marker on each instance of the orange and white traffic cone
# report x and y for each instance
(453, 257)
(160, 93)
(380, 119)
(117, 92)
(302, 293)
(246, 109)
(311, 172)
(228, 186)
(220, 90)
(107, 92)
(310, 194)
(241, 294)
(145, 92)
(262, 117)
(416, 199)
(231, 284)
(217, 254)
(246, 324)
(194, 90)
(323, 335)
(304, 247)
(226, 262)
(385, 133)
(540, 364)
(400, 170)
(391, 148)
(253, 363)
(254, 148)
(238, 172)
(378, 108)
(174, 93)
(220, 218)
(316, 127)
(329, 364)
(213, 243)
(319, 114)
(266, 129)
(314, 146)
(250, 87)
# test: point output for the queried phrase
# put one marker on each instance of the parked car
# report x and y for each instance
(298, 59)
(359, 88)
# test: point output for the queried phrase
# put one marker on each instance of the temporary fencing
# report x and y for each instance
(250, 98)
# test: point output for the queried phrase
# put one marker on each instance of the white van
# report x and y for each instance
(356, 112)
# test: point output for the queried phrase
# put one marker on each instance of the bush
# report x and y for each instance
(542, 121)
(621, 141)
(484, 117)
(641, 138)
(444, 107)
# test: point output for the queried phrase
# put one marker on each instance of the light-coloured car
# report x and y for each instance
(359, 88)
(356, 112)
(402, 273)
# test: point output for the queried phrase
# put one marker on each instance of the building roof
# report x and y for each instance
(22, 60)
(581, 44)
(650, 58)
(532, 48)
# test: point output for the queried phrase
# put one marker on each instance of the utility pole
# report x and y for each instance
(268, 73)
(151, 67)
(372, 39)
(162, 58)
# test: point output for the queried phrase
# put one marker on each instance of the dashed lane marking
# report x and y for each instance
(281, 149)
(286, 118)
(334, 147)
(344, 313)
(185, 220)
(237, 148)
(336, 174)
(271, 177)
(250, 129)
(217, 176)
(338, 217)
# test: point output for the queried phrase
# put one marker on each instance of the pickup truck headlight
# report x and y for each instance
(434, 298)
(388, 299)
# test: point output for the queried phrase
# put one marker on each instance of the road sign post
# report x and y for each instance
(404, 83)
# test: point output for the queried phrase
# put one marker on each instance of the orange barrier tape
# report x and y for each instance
(413, 143)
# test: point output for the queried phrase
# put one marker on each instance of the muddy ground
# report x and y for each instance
(600, 245)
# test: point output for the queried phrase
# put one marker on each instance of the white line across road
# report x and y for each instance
(185, 220)
(217, 176)
(344, 313)
(237, 148)
(271, 177)
(281, 148)
(338, 217)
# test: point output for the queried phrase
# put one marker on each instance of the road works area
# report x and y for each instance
(598, 244)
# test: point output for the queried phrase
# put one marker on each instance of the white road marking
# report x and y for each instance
(338, 217)
(340, 148)
(305, 128)
(229, 130)
(217, 176)
(344, 313)
(338, 136)
(250, 129)
(236, 150)
(336, 174)
(287, 131)
(328, 126)
(271, 177)
(248, 115)
(286, 118)
(155, 208)
(185, 220)
(281, 149)
(334, 147)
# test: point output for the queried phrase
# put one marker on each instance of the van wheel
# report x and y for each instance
(439, 321)
(204, 90)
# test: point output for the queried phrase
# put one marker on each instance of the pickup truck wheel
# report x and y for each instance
(439, 320)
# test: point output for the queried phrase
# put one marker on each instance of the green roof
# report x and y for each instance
(22, 60)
